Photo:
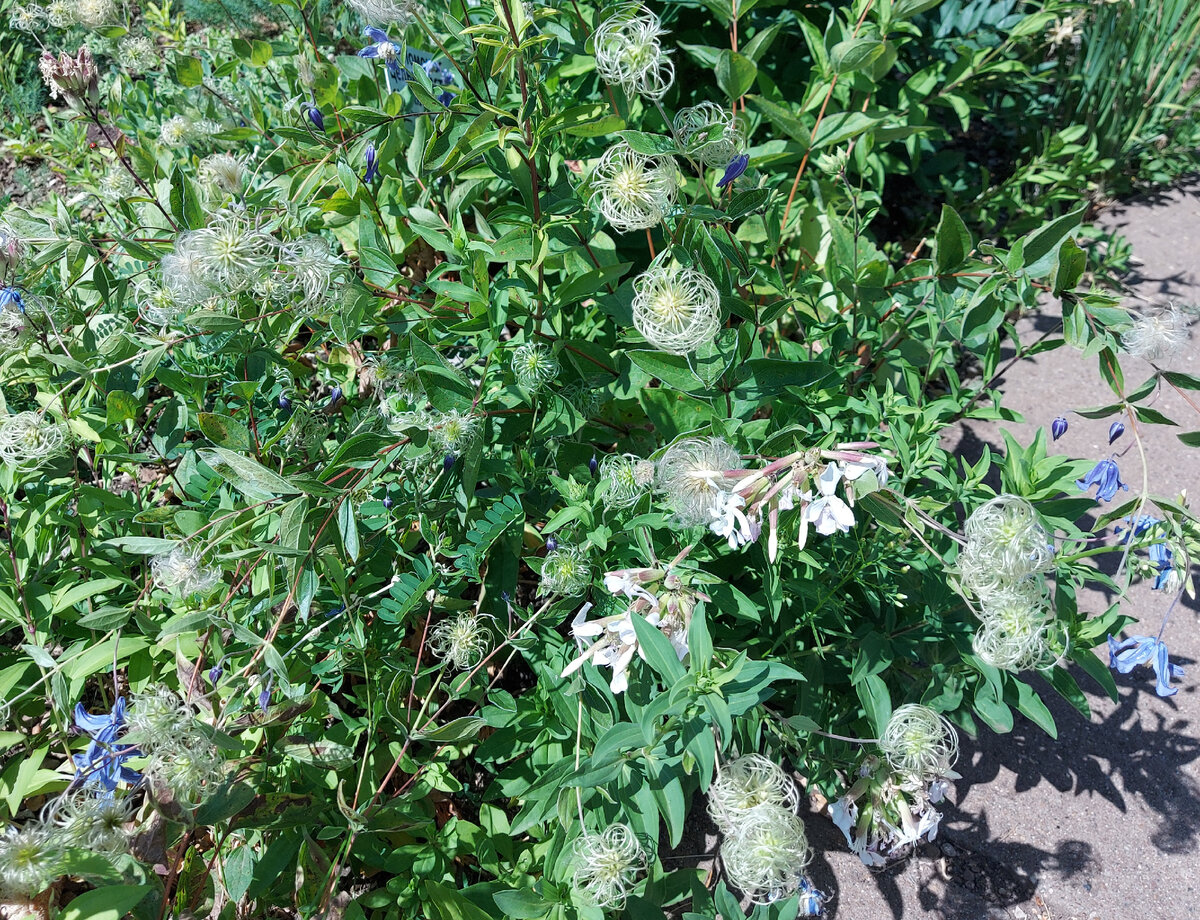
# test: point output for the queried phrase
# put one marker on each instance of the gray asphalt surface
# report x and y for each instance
(1105, 821)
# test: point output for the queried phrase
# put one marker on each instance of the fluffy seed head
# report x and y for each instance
(1017, 628)
(676, 309)
(692, 476)
(461, 641)
(95, 13)
(765, 854)
(191, 770)
(382, 12)
(634, 192)
(156, 717)
(60, 13)
(607, 865)
(1157, 336)
(28, 438)
(919, 742)
(748, 783)
(709, 134)
(534, 366)
(627, 477)
(1005, 544)
(453, 431)
(117, 184)
(95, 822)
(13, 330)
(629, 55)
(155, 304)
(29, 859)
(223, 173)
(182, 572)
(233, 252)
(138, 54)
(175, 130)
(311, 263)
(26, 18)
(565, 571)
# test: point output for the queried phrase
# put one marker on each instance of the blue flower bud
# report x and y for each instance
(448, 462)
(371, 158)
(214, 673)
(284, 402)
(593, 465)
(335, 396)
(1058, 428)
(736, 167)
(315, 116)
(387, 502)
(264, 698)
(551, 544)
(1115, 430)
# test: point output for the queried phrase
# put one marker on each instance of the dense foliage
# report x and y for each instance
(449, 450)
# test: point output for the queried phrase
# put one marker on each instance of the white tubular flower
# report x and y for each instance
(311, 264)
(1157, 336)
(565, 571)
(765, 854)
(634, 192)
(627, 479)
(461, 641)
(223, 173)
(1005, 544)
(748, 783)
(827, 513)
(919, 742)
(534, 366)
(29, 859)
(730, 522)
(677, 310)
(692, 475)
(182, 572)
(28, 438)
(608, 864)
(381, 12)
(709, 134)
(628, 53)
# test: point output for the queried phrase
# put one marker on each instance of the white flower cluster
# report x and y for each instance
(29, 438)
(677, 310)
(629, 54)
(633, 191)
(764, 848)
(1006, 551)
(897, 795)
(1158, 335)
(184, 765)
(607, 865)
(710, 134)
(183, 573)
(461, 641)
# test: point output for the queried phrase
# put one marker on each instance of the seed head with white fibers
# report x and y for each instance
(765, 853)
(627, 478)
(156, 716)
(710, 134)
(748, 783)
(1157, 336)
(233, 251)
(222, 173)
(692, 476)
(61, 13)
(534, 366)
(1005, 544)
(632, 191)
(452, 431)
(565, 571)
(608, 864)
(138, 54)
(461, 641)
(30, 857)
(30, 18)
(312, 265)
(383, 12)
(95, 13)
(183, 573)
(1017, 629)
(176, 130)
(919, 742)
(14, 330)
(155, 304)
(28, 438)
(677, 310)
(191, 770)
(93, 821)
(629, 54)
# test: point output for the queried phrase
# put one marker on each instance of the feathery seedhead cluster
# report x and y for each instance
(29, 859)
(766, 853)
(1018, 628)
(1157, 336)
(182, 572)
(676, 309)
(632, 191)
(222, 173)
(461, 641)
(26, 18)
(71, 79)
(401, 12)
(182, 129)
(709, 134)
(182, 759)
(534, 366)
(608, 864)
(629, 54)
(750, 782)
(13, 330)
(91, 820)
(627, 478)
(155, 303)
(452, 431)
(311, 267)
(233, 251)
(1005, 544)
(93, 14)
(305, 433)
(138, 54)
(919, 743)
(565, 571)
(117, 184)
(692, 476)
(28, 438)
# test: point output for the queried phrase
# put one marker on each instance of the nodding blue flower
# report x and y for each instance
(1144, 523)
(315, 116)
(551, 544)
(10, 295)
(1115, 430)
(335, 396)
(264, 698)
(445, 98)
(736, 167)
(215, 672)
(1058, 428)
(449, 461)
(387, 503)
(372, 161)
(1162, 559)
(284, 402)
(385, 49)
(1106, 477)
(593, 465)
(812, 901)
(102, 764)
(1127, 655)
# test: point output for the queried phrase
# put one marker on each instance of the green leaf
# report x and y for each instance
(254, 480)
(906, 9)
(1042, 245)
(876, 701)
(1190, 438)
(522, 904)
(188, 70)
(781, 118)
(856, 54)
(450, 904)
(224, 431)
(657, 648)
(110, 903)
(763, 378)
(952, 241)
(735, 73)
(649, 144)
(457, 730)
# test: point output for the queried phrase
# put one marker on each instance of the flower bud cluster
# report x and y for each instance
(629, 54)
(72, 79)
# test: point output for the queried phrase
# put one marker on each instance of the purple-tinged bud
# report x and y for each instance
(1058, 428)
(315, 116)
(371, 158)
(1115, 430)
(214, 673)
(284, 402)
(335, 396)
(264, 698)
(551, 544)
(593, 465)
(505, 596)
(736, 167)
(387, 503)
(74, 79)
(448, 462)
(11, 248)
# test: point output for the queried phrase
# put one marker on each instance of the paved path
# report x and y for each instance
(1105, 822)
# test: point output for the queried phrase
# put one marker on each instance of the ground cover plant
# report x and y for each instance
(451, 450)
